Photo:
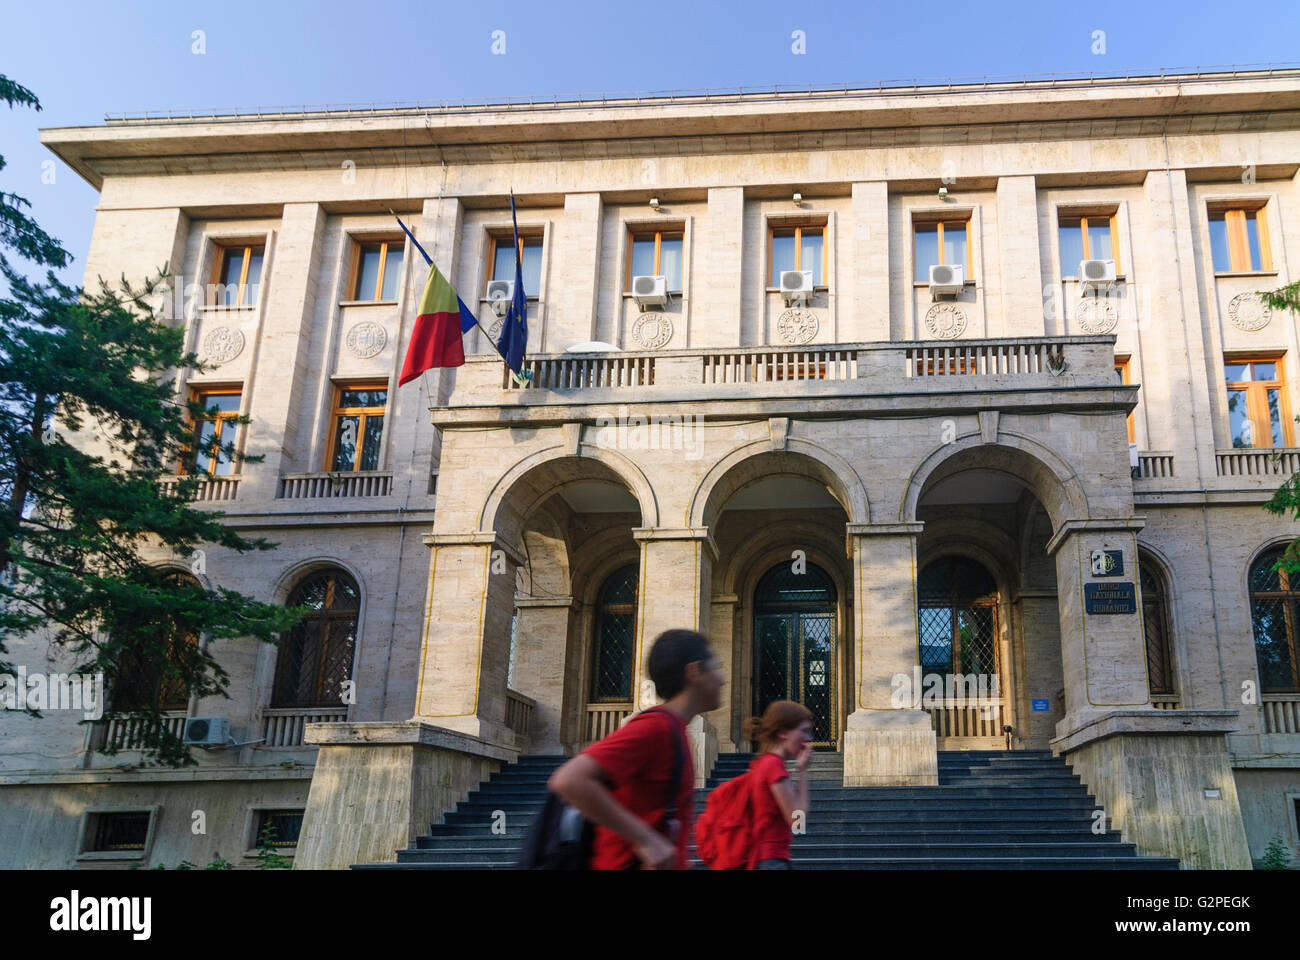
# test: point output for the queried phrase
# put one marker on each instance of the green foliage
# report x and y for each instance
(267, 858)
(90, 427)
(1276, 856)
(18, 231)
(1283, 298)
(220, 864)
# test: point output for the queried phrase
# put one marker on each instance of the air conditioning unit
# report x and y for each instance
(1096, 274)
(796, 286)
(207, 731)
(946, 279)
(499, 294)
(650, 291)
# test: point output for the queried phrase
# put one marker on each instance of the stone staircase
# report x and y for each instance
(992, 809)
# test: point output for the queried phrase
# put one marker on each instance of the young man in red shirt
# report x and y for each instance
(624, 783)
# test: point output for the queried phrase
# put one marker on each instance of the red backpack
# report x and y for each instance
(724, 835)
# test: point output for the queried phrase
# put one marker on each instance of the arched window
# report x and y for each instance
(1274, 608)
(315, 657)
(611, 675)
(159, 652)
(957, 618)
(795, 656)
(1155, 625)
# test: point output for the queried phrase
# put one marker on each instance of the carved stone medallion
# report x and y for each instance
(797, 326)
(652, 330)
(1247, 312)
(223, 344)
(366, 339)
(945, 321)
(494, 328)
(1097, 315)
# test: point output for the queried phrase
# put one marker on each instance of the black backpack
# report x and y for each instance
(561, 837)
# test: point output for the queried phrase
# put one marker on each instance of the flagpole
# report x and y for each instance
(429, 260)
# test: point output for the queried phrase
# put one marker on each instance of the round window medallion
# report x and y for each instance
(223, 344)
(1247, 312)
(1097, 315)
(652, 330)
(945, 321)
(797, 326)
(366, 339)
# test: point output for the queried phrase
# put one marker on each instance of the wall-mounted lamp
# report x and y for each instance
(798, 199)
(943, 193)
(654, 203)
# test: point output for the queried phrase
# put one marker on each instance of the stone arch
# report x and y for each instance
(292, 575)
(983, 542)
(545, 547)
(756, 461)
(736, 574)
(532, 480)
(1031, 464)
(1270, 544)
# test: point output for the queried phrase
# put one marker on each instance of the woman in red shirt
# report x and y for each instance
(783, 733)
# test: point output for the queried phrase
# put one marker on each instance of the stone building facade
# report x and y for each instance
(1046, 486)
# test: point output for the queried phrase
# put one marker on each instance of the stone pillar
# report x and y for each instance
(1039, 662)
(1164, 778)
(722, 634)
(1021, 269)
(889, 739)
(1103, 657)
(719, 284)
(276, 390)
(466, 648)
(869, 280)
(575, 274)
(377, 786)
(541, 665)
(675, 587)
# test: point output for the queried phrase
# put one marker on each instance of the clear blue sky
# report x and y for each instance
(87, 59)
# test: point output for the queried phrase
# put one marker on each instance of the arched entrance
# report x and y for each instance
(794, 645)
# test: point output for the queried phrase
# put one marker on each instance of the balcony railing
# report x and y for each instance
(210, 488)
(1281, 712)
(1153, 464)
(320, 486)
(519, 713)
(1011, 363)
(981, 717)
(284, 726)
(604, 718)
(127, 732)
(1256, 461)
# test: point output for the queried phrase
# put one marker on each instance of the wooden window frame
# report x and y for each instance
(1122, 364)
(1070, 217)
(497, 239)
(1234, 217)
(634, 234)
(941, 221)
(223, 250)
(798, 226)
(361, 413)
(1257, 400)
(355, 276)
(197, 392)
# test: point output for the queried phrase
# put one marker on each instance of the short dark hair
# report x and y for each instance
(672, 651)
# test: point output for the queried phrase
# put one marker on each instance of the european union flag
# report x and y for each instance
(514, 331)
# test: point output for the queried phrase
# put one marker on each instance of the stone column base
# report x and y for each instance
(1151, 770)
(377, 786)
(890, 748)
(704, 748)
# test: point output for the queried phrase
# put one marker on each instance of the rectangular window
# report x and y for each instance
(214, 428)
(502, 260)
(277, 828)
(657, 253)
(376, 269)
(1239, 240)
(119, 831)
(357, 426)
(797, 247)
(941, 241)
(1088, 237)
(237, 272)
(1258, 408)
(1122, 374)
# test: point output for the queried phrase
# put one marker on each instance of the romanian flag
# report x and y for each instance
(440, 326)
